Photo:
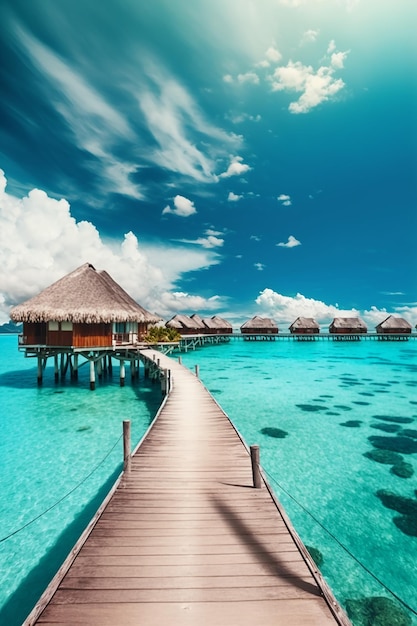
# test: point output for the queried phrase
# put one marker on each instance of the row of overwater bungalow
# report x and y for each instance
(193, 325)
(87, 309)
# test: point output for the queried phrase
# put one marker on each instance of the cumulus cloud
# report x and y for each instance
(259, 266)
(183, 207)
(182, 301)
(233, 197)
(291, 243)
(236, 168)
(315, 86)
(40, 241)
(287, 309)
(284, 199)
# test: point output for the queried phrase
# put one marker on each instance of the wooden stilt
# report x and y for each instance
(40, 370)
(75, 368)
(56, 368)
(122, 373)
(254, 455)
(99, 369)
(92, 376)
(126, 446)
(110, 365)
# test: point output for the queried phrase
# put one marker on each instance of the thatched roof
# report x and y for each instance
(394, 323)
(304, 323)
(216, 322)
(197, 320)
(343, 323)
(83, 296)
(181, 322)
(264, 323)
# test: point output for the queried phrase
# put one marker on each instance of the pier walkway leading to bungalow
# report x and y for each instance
(186, 540)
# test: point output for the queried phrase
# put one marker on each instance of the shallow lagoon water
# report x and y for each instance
(60, 450)
(316, 409)
(311, 406)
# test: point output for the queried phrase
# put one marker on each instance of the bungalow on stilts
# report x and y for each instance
(85, 313)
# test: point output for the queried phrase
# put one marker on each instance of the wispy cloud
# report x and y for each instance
(291, 243)
(96, 125)
(179, 127)
(233, 197)
(259, 266)
(183, 207)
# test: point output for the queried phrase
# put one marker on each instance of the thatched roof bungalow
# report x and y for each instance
(304, 326)
(348, 326)
(259, 326)
(217, 325)
(394, 326)
(186, 325)
(84, 309)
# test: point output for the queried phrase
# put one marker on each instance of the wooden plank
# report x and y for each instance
(187, 540)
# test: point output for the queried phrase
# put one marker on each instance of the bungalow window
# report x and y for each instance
(66, 325)
(53, 325)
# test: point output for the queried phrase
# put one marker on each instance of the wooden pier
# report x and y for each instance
(185, 538)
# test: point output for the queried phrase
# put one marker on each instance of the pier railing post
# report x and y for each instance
(126, 446)
(256, 474)
(197, 371)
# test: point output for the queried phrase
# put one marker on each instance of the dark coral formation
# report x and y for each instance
(394, 418)
(271, 431)
(403, 470)
(405, 445)
(377, 611)
(387, 428)
(310, 407)
(407, 507)
(351, 423)
(384, 456)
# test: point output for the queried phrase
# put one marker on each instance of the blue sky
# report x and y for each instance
(235, 157)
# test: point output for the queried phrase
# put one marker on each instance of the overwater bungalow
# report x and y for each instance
(394, 326)
(259, 326)
(304, 326)
(217, 325)
(197, 320)
(185, 325)
(84, 309)
(348, 326)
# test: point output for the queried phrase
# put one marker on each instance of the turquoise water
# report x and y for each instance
(311, 407)
(60, 450)
(315, 409)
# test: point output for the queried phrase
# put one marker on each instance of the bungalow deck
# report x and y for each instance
(186, 539)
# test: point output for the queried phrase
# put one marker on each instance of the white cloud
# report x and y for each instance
(233, 197)
(238, 118)
(210, 241)
(183, 207)
(255, 238)
(315, 86)
(287, 309)
(182, 301)
(259, 266)
(228, 78)
(291, 243)
(248, 77)
(310, 36)
(284, 199)
(40, 242)
(331, 47)
(236, 168)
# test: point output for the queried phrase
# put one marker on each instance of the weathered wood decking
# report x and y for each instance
(186, 539)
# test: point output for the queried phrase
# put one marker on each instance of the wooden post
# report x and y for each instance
(197, 371)
(110, 364)
(180, 360)
(75, 370)
(56, 368)
(126, 446)
(99, 368)
(92, 376)
(254, 455)
(122, 373)
(40, 370)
